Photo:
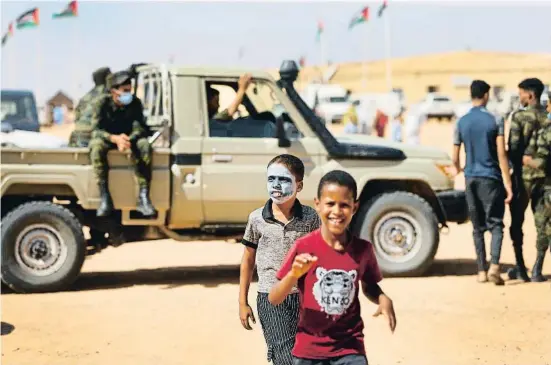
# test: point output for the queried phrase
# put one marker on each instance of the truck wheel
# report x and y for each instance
(43, 248)
(404, 231)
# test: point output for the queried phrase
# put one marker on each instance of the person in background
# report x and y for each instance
(525, 123)
(416, 117)
(350, 119)
(80, 137)
(58, 114)
(380, 122)
(396, 126)
(486, 168)
(213, 100)
(537, 158)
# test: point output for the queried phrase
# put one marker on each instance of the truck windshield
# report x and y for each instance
(19, 109)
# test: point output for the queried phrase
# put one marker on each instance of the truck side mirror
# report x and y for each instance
(283, 141)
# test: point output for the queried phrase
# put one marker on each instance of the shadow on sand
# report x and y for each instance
(212, 276)
(7, 328)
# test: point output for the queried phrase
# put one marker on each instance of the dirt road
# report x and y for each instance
(148, 303)
(176, 303)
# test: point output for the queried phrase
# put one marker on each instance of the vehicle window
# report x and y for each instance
(20, 107)
(8, 108)
(255, 115)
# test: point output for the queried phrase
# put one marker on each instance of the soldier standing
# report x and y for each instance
(524, 126)
(80, 137)
(119, 123)
(538, 159)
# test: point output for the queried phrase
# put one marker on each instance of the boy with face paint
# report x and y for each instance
(271, 232)
(330, 267)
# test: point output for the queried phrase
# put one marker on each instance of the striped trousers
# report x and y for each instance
(279, 325)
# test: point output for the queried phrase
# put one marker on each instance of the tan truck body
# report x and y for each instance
(209, 185)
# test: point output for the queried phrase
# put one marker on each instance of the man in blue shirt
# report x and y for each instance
(486, 169)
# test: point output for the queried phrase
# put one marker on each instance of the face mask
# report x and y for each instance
(126, 98)
(282, 184)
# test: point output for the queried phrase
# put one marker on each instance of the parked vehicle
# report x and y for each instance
(18, 109)
(437, 106)
(204, 187)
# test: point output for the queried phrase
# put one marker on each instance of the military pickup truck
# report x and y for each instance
(206, 183)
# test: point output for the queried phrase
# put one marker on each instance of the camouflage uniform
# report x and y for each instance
(108, 119)
(524, 126)
(540, 150)
(81, 136)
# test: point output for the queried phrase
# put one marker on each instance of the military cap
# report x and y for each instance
(119, 78)
(100, 75)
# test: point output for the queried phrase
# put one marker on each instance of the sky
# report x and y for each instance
(61, 54)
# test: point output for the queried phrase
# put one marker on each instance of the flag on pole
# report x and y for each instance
(361, 17)
(8, 34)
(70, 11)
(382, 8)
(28, 19)
(320, 30)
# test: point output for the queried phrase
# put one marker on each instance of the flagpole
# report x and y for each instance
(364, 66)
(388, 51)
(323, 49)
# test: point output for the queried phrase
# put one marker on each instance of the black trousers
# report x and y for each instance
(279, 325)
(486, 202)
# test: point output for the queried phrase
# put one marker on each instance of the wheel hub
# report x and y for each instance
(397, 236)
(40, 250)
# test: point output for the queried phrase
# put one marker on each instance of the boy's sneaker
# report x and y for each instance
(494, 275)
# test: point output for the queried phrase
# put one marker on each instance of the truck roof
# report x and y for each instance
(16, 92)
(216, 71)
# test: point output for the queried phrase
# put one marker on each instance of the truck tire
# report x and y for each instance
(43, 248)
(404, 231)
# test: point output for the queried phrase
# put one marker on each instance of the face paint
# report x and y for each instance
(282, 184)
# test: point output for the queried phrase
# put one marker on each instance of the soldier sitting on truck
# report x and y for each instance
(83, 113)
(119, 123)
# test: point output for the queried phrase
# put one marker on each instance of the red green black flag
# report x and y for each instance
(8, 34)
(71, 10)
(28, 19)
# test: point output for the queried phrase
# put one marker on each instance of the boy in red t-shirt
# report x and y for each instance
(327, 266)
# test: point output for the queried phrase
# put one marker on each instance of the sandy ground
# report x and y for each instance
(169, 303)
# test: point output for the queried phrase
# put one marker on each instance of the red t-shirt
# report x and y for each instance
(330, 323)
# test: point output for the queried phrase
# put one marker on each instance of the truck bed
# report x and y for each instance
(67, 172)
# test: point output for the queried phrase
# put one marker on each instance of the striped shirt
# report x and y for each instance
(272, 239)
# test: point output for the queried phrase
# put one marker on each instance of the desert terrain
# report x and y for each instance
(169, 303)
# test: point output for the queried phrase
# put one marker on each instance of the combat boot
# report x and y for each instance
(144, 206)
(494, 275)
(519, 272)
(106, 205)
(537, 276)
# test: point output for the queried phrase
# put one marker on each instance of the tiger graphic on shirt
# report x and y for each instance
(334, 289)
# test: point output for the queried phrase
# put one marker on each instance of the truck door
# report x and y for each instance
(235, 154)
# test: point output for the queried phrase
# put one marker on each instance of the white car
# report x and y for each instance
(437, 106)
(26, 139)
